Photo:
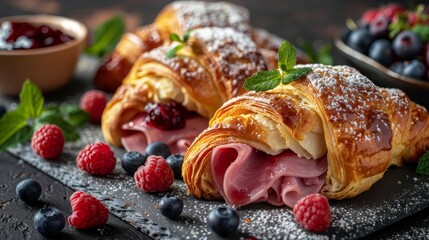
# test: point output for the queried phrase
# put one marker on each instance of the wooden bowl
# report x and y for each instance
(50, 67)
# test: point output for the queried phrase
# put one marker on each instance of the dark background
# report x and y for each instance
(314, 21)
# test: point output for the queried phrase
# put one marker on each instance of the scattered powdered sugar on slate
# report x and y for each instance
(197, 14)
(385, 203)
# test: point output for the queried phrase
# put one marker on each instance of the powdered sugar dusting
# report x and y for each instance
(235, 55)
(385, 203)
(198, 14)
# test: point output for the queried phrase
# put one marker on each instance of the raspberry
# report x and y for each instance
(48, 141)
(155, 176)
(93, 102)
(88, 211)
(313, 212)
(96, 159)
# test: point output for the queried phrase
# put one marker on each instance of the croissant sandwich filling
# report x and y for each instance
(175, 127)
(244, 175)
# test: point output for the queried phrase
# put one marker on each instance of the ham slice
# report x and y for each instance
(244, 175)
(138, 134)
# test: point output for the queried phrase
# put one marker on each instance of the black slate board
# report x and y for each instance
(399, 194)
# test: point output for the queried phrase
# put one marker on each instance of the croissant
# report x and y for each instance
(180, 17)
(332, 131)
(207, 71)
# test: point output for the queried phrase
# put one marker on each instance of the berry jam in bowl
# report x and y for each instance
(42, 48)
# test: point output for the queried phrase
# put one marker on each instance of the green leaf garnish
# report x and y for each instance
(172, 52)
(182, 42)
(17, 126)
(294, 74)
(422, 31)
(263, 81)
(106, 36)
(287, 73)
(423, 165)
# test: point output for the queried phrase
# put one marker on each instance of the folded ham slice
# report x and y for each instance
(138, 134)
(244, 175)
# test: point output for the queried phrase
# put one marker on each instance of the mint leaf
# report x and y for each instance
(186, 36)
(287, 56)
(174, 37)
(423, 165)
(70, 133)
(172, 52)
(21, 136)
(106, 36)
(295, 74)
(11, 123)
(262, 81)
(31, 100)
(422, 31)
(74, 115)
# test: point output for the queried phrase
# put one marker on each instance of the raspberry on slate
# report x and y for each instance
(88, 211)
(48, 141)
(155, 176)
(93, 102)
(96, 159)
(313, 212)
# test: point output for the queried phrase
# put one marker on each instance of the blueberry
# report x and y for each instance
(131, 161)
(379, 28)
(397, 67)
(407, 45)
(49, 221)
(171, 206)
(381, 51)
(415, 69)
(3, 110)
(158, 149)
(223, 221)
(28, 190)
(176, 161)
(360, 40)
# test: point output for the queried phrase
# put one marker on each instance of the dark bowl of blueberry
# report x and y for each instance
(390, 45)
(42, 48)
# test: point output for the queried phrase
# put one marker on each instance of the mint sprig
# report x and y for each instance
(182, 43)
(106, 37)
(287, 73)
(19, 125)
(423, 165)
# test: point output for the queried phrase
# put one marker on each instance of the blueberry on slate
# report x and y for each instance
(171, 206)
(131, 161)
(397, 67)
(176, 161)
(49, 221)
(2, 110)
(158, 149)
(345, 33)
(360, 40)
(415, 69)
(28, 190)
(223, 221)
(407, 45)
(381, 51)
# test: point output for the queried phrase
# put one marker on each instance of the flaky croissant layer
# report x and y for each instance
(333, 111)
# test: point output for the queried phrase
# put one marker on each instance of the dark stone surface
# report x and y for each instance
(16, 217)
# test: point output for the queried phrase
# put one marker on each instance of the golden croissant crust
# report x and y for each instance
(180, 17)
(208, 71)
(333, 111)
